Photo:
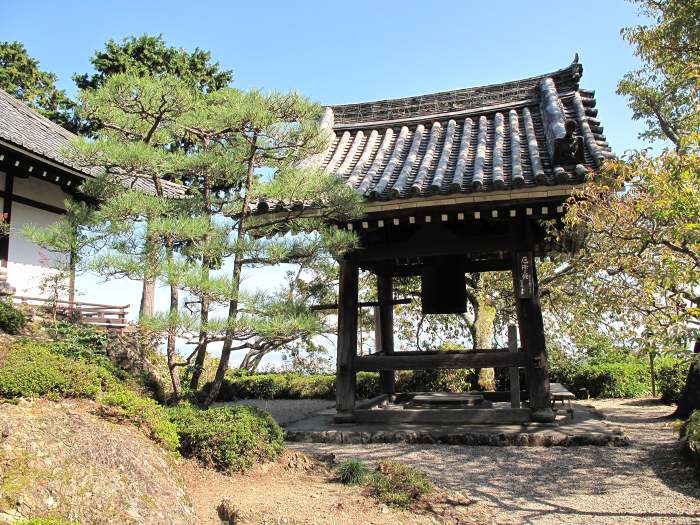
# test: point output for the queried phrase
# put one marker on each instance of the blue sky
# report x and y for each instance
(340, 52)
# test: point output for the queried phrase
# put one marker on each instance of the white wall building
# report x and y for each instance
(35, 180)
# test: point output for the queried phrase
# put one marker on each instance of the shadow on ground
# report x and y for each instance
(645, 482)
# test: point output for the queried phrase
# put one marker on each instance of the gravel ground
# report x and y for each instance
(287, 411)
(646, 482)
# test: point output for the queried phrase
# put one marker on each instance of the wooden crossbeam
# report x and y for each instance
(373, 363)
(409, 249)
(334, 306)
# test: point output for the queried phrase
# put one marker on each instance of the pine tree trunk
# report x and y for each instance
(235, 279)
(251, 361)
(171, 350)
(201, 344)
(228, 341)
(690, 397)
(206, 298)
(148, 297)
(148, 292)
(72, 264)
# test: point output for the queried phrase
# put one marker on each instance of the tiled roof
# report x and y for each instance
(498, 137)
(28, 130)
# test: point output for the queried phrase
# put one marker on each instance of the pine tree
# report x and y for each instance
(242, 146)
(137, 119)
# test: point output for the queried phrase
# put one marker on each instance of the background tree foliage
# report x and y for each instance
(640, 219)
(149, 55)
(21, 77)
(664, 92)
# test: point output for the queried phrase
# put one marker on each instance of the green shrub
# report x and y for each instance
(241, 385)
(671, 375)
(691, 431)
(630, 378)
(146, 414)
(79, 341)
(35, 369)
(397, 484)
(690, 434)
(457, 380)
(12, 320)
(351, 472)
(368, 385)
(231, 438)
(311, 386)
(32, 369)
(237, 385)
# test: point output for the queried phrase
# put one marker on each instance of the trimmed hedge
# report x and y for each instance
(629, 378)
(241, 385)
(606, 380)
(230, 438)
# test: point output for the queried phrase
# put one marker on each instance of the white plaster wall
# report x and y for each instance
(39, 190)
(29, 264)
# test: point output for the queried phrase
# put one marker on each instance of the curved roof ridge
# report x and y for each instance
(457, 100)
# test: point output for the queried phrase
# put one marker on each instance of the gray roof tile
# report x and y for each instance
(27, 129)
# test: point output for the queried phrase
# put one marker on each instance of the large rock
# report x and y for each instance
(60, 459)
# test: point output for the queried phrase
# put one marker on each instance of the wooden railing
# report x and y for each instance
(109, 316)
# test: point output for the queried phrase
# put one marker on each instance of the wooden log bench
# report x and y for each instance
(560, 393)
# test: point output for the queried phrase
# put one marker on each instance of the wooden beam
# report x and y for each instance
(334, 306)
(31, 202)
(408, 249)
(450, 352)
(409, 270)
(373, 363)
(385, 293)
(345, 379)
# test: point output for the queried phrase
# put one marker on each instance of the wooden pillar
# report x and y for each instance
(7, 216)
(385, 295)
(514, 371)
(347, 337)
(530, 322)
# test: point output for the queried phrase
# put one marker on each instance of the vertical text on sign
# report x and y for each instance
(525, 280)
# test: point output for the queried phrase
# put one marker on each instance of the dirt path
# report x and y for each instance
(297, 490)
(643, 483)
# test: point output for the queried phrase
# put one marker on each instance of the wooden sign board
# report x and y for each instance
(526, 284)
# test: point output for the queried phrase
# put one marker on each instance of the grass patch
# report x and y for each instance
(46, 521)
(352, 472)
(398, 485)
(230, 438)
(393, 483)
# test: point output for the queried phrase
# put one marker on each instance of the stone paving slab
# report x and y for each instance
(586, 428)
